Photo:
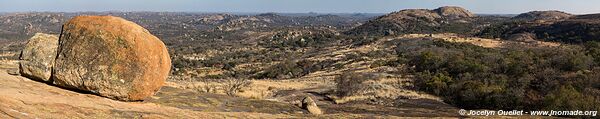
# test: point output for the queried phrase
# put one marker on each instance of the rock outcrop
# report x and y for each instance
(26, 99)
(414, 21)
(37, 58)
(411, 14)
(453, 12)
(576, 29)
(112, 57)
(310, 105)
(544, 15)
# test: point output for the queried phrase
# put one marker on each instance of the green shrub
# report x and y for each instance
(568, 98)
(434, 82)
(593, 49)
(474, 77)
(292, 69)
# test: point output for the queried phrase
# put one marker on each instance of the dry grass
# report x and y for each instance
(483, 42)
(256, 89)
(201, 72)
(218, 86)
(357, 86)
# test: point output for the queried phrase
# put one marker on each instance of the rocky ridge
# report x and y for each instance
(414, 21)
(544, 15)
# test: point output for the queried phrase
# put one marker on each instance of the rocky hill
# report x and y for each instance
(271, 20)
(557, 26)
(543, 15)
(443, 19)
(167, 25)
(454, 12)
(24, 25)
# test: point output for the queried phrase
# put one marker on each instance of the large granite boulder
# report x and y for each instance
(37, 58)
(112, 57)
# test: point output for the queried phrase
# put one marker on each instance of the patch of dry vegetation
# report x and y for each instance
(356, 86)
(483, 42)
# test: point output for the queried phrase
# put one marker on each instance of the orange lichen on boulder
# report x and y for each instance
(112, 57)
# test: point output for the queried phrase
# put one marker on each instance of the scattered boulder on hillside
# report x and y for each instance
(310, 105)
(37, 58)
(543, 15)
(112, 57)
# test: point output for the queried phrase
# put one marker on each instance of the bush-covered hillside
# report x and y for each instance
(473, 77)
(578, 29)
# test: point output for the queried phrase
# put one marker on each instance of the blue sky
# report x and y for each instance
(298, 6)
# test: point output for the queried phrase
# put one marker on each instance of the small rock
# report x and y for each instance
(284, 112)
(13, 72)
(310, 105)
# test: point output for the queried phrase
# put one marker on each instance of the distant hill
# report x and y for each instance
(443, 19)
(543, 15)
(267, 21)
(454, 12)
(24, 25)
(174, 25)
(549, 26)
(587, 17)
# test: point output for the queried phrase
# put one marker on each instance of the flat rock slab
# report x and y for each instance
(187, 99)
(26, 99)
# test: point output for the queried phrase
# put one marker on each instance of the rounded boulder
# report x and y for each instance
(37, 58)
(111, 57)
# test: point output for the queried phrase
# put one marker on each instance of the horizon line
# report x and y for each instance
(213, 12)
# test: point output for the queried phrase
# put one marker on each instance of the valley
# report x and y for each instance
(410, 63)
